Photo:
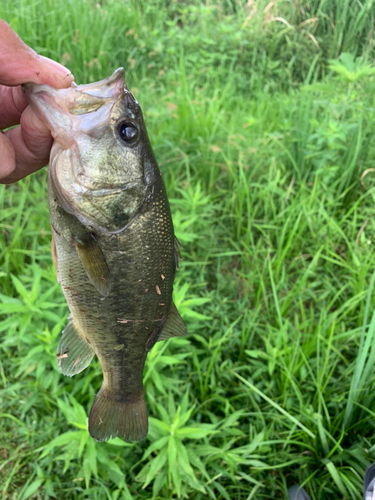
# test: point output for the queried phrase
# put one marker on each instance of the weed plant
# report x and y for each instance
(261, 115)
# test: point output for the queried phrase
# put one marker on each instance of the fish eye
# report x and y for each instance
(127, 131)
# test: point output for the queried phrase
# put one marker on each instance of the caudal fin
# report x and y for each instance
(110, 418)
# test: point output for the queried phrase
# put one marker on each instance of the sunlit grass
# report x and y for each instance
(266, 147)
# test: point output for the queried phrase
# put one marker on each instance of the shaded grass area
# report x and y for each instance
(266, 148)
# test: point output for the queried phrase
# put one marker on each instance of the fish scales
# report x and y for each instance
(127, 301)
(113, 245)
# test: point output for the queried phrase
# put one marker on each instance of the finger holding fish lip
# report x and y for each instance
(20, 64)
(76, 99)
(29, 145)
(49, 107)
(57, 108)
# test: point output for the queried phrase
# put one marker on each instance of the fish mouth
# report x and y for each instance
(86, 172)
(63, 110)
(109, 88)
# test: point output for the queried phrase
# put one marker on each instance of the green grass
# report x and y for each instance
(261, 117)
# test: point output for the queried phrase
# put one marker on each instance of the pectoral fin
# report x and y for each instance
(94, 262)
(74, 354)
(174, 326)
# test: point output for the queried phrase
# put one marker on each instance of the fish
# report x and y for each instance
(113, 244)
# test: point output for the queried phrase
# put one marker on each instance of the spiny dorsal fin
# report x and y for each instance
(177, 253)
(174, 326)
(73, 352)
(94, 262)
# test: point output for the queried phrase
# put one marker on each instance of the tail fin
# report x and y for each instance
(110, 417)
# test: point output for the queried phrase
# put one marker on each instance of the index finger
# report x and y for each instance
(20, 64)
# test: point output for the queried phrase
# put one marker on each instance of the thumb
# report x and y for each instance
(7, 156)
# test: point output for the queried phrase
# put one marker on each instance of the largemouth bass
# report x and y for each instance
(113, 244)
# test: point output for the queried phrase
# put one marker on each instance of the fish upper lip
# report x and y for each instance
(60, 109)
(41, 87)
(107, 88)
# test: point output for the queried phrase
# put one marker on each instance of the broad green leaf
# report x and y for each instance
(156, 464)
(160, 481)
(156, 380)
(176, 479)
(222, 490)
(32, 488)
(21, 289)
(166, 416)
(205, 450)
(109, 463)
(337, 479)
(193, 432)
(13, 308)
(65, 438)
(119, 442)
(185, 417)
(172, 453)
(157, 445)
(169, 360)
(67, 411)
(79, 425)
(232, 419)
(183, 459)
(195, 460)
(85, 436)
(158, 427)
(87, 471)
(91, 454)
(79, 410)
(254, 463)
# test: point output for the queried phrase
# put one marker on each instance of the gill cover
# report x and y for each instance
(100, 161)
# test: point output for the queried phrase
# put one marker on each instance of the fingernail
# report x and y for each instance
(56, 67)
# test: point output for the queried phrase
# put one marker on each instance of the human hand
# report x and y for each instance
(23, 149)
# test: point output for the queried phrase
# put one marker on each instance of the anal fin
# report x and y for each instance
(73, 352)
(93, 260)
(174, 326)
